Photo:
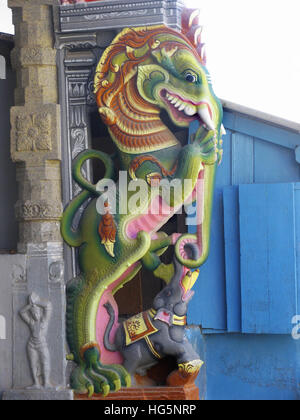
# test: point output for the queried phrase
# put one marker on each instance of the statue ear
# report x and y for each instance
(152, 72)
(148, 77)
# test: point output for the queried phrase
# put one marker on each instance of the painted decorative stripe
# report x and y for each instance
(179, 320)
(152, 349)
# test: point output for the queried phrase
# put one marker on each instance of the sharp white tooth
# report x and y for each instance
(173, 101)
(223, 131)
(190, 110)
(181, 108)
(168, 96)
(205, 117)
(177, 105)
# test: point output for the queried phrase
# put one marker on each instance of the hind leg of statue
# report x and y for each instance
(104, 378)
(93, 377)
(90, 376)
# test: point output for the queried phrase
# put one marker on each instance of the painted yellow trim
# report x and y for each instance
(152, 349)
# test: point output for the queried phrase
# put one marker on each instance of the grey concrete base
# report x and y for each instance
(37, 395)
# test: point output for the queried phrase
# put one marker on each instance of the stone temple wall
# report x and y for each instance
(36, 150)
(57, 46)
(8, 223)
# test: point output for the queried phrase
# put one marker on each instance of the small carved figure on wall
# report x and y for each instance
(37, 315)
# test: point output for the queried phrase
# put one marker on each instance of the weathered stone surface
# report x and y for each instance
(38, 55)
(47, 395)
(39, 207)
(34, 57)
(37, 232)
(22, 3)
(36, 148)
(13, 277)
(35, 134)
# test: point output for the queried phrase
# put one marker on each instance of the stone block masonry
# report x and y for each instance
(36, 149)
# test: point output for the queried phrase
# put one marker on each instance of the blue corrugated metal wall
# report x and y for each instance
(249, 289)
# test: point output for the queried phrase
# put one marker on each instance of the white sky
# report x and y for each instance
(253, 52)
(252, 48)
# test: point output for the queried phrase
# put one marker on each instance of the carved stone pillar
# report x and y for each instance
(36, 149)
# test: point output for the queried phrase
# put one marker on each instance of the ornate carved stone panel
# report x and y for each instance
(115, 14)
(41, 210)
(34, 132)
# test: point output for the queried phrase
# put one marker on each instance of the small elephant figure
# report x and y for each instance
(147, 337)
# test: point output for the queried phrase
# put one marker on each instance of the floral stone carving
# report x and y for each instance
(40, 210)
(34, 132)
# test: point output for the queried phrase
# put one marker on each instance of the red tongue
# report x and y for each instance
(166, 314)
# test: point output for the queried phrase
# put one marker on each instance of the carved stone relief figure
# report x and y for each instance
(37, 315)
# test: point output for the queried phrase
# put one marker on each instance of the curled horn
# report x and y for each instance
(192, 30)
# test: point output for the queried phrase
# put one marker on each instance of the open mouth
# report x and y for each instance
(186, 111)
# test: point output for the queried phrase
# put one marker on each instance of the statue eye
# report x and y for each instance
(191, 78)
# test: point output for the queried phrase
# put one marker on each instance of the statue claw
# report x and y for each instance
(105, 390)
(91, 390)
(94, 378)
(117, 384)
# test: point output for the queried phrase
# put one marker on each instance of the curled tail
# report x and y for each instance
(111, 313)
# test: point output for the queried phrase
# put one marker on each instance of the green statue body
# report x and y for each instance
(144, 71)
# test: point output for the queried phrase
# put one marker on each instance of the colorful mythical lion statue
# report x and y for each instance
(144, 70)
